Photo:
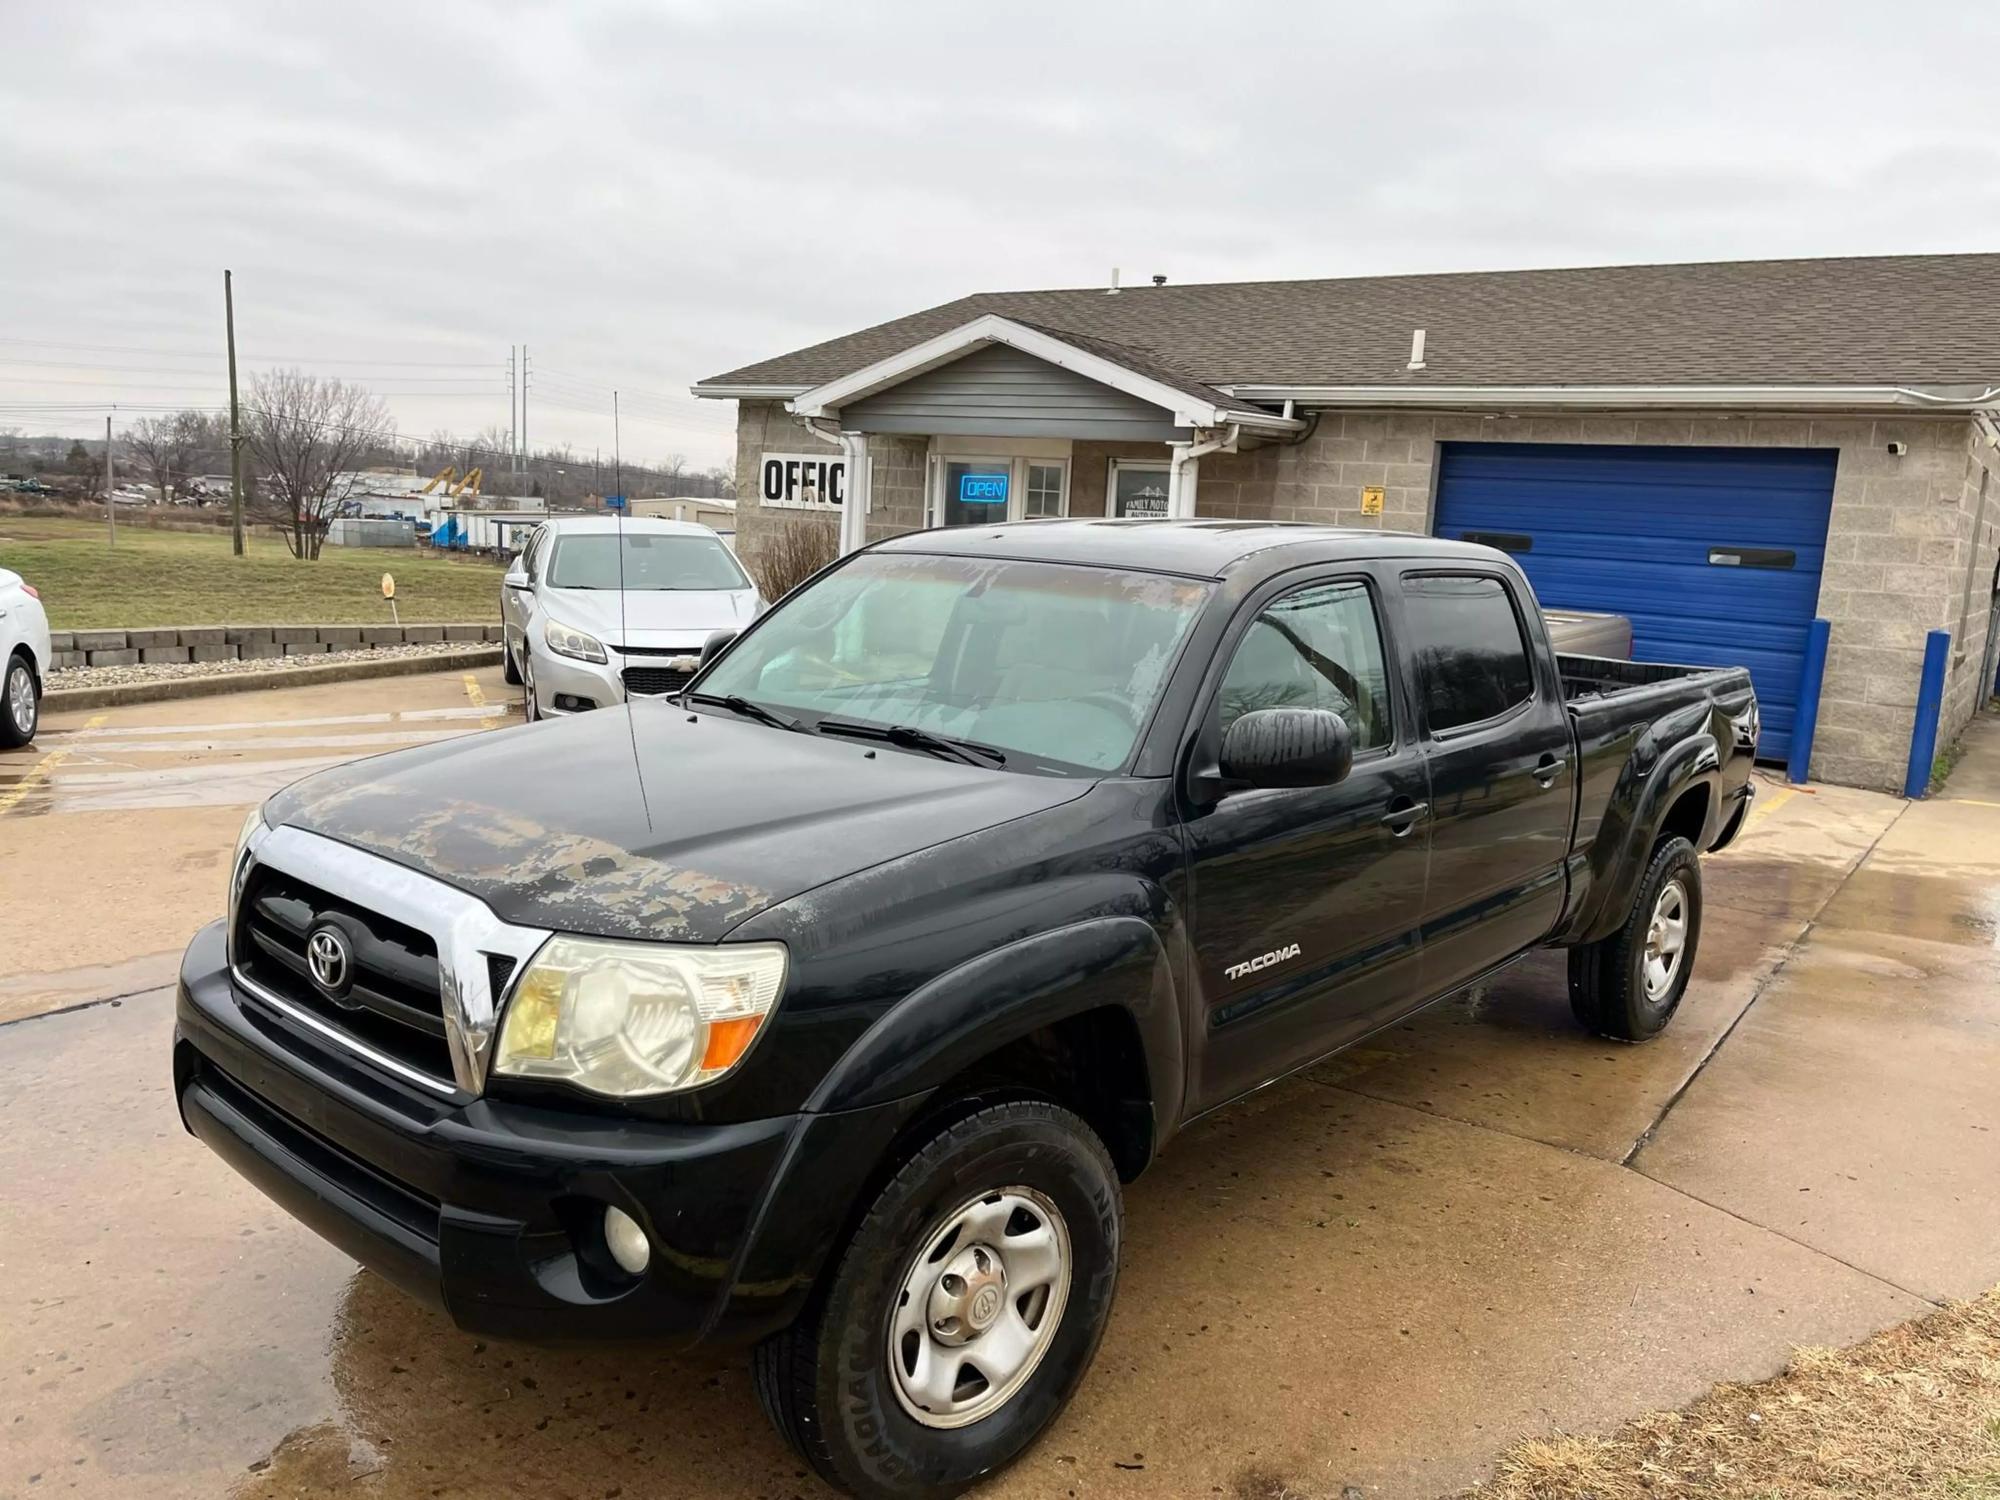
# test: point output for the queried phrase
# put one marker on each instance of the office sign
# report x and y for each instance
(802, 481)
(983, 489)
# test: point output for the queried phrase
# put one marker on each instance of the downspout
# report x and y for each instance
(1184, 471)
(854, 505)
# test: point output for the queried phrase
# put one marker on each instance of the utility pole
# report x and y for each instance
(617, 451)
(524, 406)
(235, 424)
(513, 439)
(110, 481)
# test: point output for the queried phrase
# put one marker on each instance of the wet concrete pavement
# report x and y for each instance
(1482, 1226)
(117, 824)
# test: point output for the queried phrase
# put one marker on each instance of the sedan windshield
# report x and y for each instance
(652, 561)
(1053, 664)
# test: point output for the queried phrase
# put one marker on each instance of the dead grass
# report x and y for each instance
(1913, 1412)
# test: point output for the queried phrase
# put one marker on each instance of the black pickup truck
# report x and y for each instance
(826, 1005)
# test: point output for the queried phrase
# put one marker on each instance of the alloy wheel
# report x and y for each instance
(21, 705)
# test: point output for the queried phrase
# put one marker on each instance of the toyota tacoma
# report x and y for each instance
(826, 1005)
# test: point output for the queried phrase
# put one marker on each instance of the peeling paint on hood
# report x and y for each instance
(676, 827)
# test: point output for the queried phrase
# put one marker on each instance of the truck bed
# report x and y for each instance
(1598, 676)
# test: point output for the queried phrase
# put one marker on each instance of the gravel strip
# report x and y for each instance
(163, 671)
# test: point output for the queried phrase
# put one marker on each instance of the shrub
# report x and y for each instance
(792, 551)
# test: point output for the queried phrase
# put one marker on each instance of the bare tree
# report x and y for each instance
(167, 446)
(306, 432)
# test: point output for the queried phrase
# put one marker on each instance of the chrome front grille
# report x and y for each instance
(426, 965)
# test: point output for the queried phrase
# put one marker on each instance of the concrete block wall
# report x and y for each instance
(1899, 539)
(210, 643)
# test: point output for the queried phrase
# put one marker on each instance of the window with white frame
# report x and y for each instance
(1047, 491)
(974, 485)
(1138, 489)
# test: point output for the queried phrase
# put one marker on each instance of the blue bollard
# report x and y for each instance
(1806, 722)
(1930, 700)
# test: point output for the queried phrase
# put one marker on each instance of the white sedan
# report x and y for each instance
(24, 657)
(597, 608)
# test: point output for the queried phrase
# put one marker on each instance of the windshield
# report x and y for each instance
(1053, 664)
(652, 561)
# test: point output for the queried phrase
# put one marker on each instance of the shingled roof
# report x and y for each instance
(1923, 320)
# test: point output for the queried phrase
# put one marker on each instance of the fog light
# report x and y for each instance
(626, 1240)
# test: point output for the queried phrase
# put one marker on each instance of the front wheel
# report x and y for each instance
(531, 703)
(20, 704)
(1628, 986)
(508, 671)
(963, 1313)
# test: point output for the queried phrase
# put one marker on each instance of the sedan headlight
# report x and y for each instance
(626, 1019)
(566, 640)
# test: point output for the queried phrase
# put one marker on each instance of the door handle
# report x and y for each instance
(1403, 819)
(1548, 770)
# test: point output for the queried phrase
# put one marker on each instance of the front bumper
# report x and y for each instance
(491, 1211)
(565, 677)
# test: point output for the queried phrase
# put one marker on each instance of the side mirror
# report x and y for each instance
(517, 581)
(1288, 747)
(713, 646)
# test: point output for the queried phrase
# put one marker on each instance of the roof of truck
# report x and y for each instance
(1201, 549)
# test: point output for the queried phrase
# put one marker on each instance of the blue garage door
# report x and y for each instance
(1713, 553)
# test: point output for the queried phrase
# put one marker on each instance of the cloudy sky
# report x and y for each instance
(649, 193)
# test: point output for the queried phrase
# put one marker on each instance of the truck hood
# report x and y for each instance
(648, 822)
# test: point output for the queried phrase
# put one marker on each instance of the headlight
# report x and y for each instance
(564, 640)
(253, 826)
(626, 1019)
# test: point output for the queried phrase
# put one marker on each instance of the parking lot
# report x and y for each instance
(1480, 1226)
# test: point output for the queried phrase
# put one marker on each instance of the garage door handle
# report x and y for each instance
(1403, 819)
(1550, 768)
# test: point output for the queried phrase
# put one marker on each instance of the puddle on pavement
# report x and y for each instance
(426, 1409)
(1934, 908)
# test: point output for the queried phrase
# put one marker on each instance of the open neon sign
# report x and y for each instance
(982, 489)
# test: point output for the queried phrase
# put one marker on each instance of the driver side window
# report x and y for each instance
(1316, 647)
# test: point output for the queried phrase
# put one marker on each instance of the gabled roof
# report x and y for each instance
(1907, 320)
(1131, 371)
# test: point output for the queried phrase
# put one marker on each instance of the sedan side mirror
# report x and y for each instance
(713, 646)
(517, 581)
(1288, 747)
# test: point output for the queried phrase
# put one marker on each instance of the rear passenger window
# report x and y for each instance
(1471, 659)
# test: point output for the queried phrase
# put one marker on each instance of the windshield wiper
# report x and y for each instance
(738, 704)
(911, 737)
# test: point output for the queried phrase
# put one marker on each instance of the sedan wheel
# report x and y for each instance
(532, 706)
(22, 708)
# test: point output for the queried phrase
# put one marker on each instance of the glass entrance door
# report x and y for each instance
(976, 490)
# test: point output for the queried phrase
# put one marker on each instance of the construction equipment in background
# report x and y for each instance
(455, 488)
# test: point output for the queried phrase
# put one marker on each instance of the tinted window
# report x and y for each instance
(1471, 661)
(1316, 648)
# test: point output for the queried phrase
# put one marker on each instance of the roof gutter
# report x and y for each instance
(747, 392)
(1787, 397)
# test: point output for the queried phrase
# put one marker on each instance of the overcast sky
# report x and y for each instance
(650, 193)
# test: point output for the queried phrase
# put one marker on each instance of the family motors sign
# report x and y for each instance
(802, 481)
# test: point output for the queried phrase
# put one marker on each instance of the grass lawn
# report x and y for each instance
(188, 578)
(1912, 1414)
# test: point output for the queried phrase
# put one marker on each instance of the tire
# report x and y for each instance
(827, 1383)
(1614, 988)
(508, 670)
(531, 705)
(20, 703)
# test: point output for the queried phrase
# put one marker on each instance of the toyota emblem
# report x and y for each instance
(329, 958)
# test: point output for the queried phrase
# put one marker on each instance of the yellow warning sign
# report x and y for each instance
(1371, 500)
